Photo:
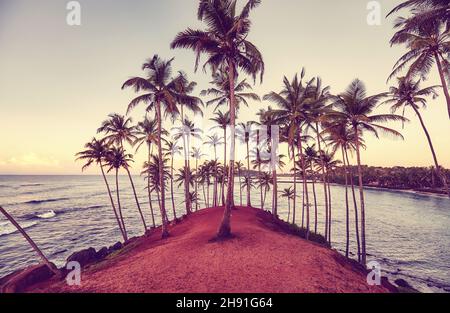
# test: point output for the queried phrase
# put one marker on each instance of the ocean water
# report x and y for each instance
(408, 234)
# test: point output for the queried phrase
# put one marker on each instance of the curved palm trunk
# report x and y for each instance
(112, 201)
(355, 207)
(171, 190)
(443, 81)
(136, 198)
(430, 143)
(324, 181)
(50, 266)
(347, 222)
(249, 204)
(305, 183)
(120, 208)
(361, 196)
(148, 186)
(165, 232)
(315, 198)
(225, 227)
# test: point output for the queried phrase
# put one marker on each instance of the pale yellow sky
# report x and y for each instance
(57, 83)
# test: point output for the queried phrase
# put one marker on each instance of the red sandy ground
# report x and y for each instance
(260, 259)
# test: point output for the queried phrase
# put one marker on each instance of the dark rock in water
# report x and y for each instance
(102, 253)
(403, 283)
(84, 257)
(22, 279)
(115, 247)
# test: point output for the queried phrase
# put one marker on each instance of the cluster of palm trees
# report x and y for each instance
(321, 130)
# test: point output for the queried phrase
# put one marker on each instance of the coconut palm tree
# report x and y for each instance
(225, 43)
(185, 100)
(288, 193)
(197, 155)
(159, 93)
(221, 91)
(239, 167)
(96, 152)
(425, 12)
(247, 183)
(205, 172)
(408, 94)
(155, 172)
(186, 132)
(244, 133)
(330, 164)
(428, 45)
(114, 159)
(355, 109)
(264, 182)
(223, 121)
(171, 150)
(311, 159)
(145, 133)
(258, 163)
(342, 138)
(214, 141)
(267, 119)
(117, 130)
(292, 114)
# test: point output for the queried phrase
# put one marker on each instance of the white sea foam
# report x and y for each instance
(7, 229)
(47, 215)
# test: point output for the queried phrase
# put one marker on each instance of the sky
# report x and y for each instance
(59, 82)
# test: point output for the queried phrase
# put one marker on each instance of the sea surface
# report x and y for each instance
(408, 234)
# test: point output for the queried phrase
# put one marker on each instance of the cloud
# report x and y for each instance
(31, 159)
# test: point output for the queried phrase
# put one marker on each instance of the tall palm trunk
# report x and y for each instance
(347, 222)
(112, 201)
(305, 182)
(323, 179)
(215, 190)
(148, 185)
(225, 227)
(430, 143)
(275, 183)
(120, 208)
(355, 207)
(196, 184)
(289, 209)
(222, 188)
(249, 204)
(258, 159)
(443, 81)
(171, 189)
(329, 208)
(295, 184)
(361, 196)
(50, 266)
(240, 185)
(165, 232)
(187, 171)
(136, 198)
(315, 198)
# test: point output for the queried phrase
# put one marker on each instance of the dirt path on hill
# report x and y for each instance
(258, 260)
